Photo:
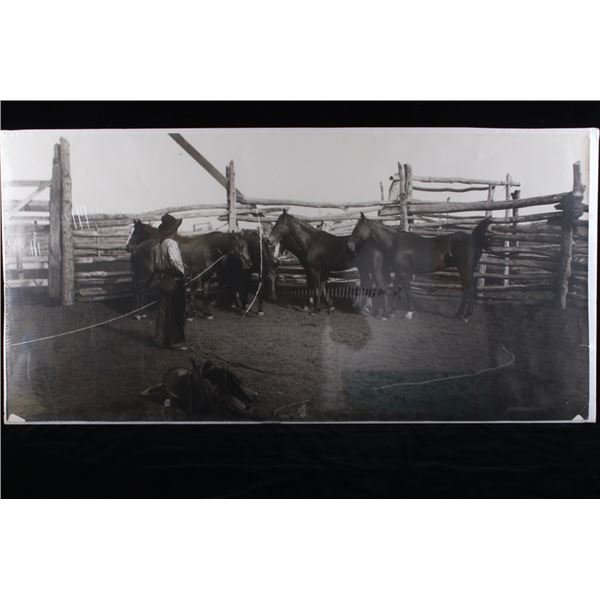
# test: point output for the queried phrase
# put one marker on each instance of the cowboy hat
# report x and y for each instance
(168, 225)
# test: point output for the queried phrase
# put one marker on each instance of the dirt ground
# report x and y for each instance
(309, 368)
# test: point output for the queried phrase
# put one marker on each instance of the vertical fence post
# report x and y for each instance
(488, 213)
(54, 249)
(507, 215)
(515, 213)
(68, 266)
(19, 258)
(566, 244)
(231, 197)
(405, 194)
(381, 191)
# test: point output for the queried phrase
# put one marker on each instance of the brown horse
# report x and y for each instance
(320, 253)
(198, 253)
(410, 254)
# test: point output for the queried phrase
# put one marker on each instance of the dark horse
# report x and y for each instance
(239, 279)
(320, 253)
(410, 254)
(198, 253)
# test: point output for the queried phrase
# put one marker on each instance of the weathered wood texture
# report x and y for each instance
(534, 248)
(54, 251)
(566, 246)
(231, 198)
(68, 266)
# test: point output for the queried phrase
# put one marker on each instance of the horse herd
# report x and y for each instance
(386, 258)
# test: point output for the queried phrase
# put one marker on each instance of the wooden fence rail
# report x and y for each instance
(82, 257)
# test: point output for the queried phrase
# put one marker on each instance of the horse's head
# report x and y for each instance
(280, 230)
(360, 234)
(240, 249)
(140, 232)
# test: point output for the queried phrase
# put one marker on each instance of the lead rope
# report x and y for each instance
(504, 365)
(260, 269)
(131, 312)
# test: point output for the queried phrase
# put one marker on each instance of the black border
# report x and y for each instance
(300, 460)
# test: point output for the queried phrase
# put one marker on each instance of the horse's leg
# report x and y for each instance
(136, 297)
(260, 292)
(206, 309)
(326, 297)
(469, 293)
(380, 302)
(467, 280)
(314, 292)
(405, 277)
(362, 299)
(325, 294)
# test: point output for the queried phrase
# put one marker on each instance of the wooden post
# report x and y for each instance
(488, 213)
(401, 183)
(405, 194)
(515, 213)
(566, 244)
(507, 215)
(68, 265)
(19, 258)
(54, 249)
(381, 191)
(231, 197)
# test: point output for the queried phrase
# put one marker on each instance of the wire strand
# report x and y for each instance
(131, 312)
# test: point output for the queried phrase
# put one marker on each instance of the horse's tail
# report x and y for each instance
(479, 234)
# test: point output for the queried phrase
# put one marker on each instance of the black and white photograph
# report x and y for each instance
(299, 275)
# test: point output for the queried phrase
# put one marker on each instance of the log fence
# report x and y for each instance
(81, 257)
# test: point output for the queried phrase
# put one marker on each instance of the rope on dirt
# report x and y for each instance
(438, 379)
(260, 271)
(127, 314)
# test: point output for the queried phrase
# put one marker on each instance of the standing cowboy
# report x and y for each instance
(169, 271)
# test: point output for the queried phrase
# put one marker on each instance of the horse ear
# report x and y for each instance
(285, 210)
(362, 216)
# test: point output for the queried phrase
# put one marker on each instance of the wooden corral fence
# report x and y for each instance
(82, 257)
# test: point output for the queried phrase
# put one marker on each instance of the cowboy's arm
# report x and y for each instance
(174, 255)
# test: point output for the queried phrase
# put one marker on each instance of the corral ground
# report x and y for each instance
(329, 363)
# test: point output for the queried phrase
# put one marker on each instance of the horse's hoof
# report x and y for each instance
(189, 318)
(409, 315)
(137, 317)
(331, 309)
(305, 309)
(209, 317)
(261, 313)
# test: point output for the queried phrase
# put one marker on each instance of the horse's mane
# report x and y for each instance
(310, 227)
(383, 226)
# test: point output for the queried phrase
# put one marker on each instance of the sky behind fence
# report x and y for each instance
(135, 171)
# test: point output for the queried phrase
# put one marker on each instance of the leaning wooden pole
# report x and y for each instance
(54, 242)
(68, 265)
(231, 198)
(570, 214)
